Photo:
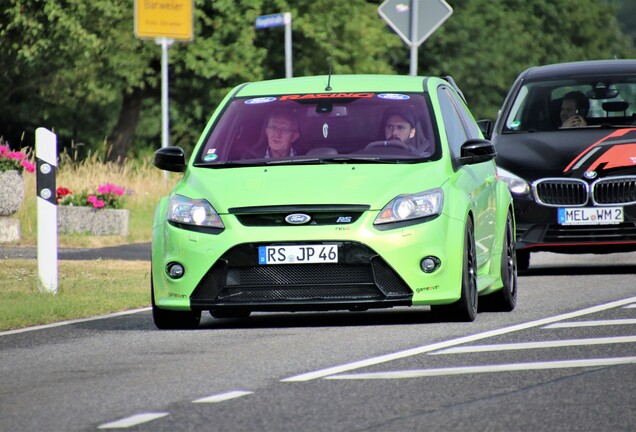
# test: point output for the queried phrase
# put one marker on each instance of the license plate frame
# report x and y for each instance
(298, 254)
(590, 215)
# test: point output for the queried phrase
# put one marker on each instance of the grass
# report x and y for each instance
(85, 288)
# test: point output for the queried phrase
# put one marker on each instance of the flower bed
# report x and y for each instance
(96, 213)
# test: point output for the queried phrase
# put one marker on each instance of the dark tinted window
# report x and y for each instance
(324, 126)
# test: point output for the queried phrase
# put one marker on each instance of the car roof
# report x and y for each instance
(581, 68)
(338, 84)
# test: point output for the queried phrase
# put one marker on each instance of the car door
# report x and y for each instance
(478, 180)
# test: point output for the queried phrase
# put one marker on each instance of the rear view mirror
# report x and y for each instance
(485, 126)
(476, 151)
(602, 91)
(170, 159)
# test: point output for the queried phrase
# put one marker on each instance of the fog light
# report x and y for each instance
(175, 270)
(429, 264)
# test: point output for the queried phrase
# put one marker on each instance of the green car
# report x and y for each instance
(344, 192)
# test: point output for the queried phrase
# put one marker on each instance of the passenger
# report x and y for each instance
(574, 108)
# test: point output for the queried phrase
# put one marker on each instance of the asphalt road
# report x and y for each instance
(564, 360)
(133, 251)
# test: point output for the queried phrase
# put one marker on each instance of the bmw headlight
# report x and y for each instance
(516, 184)
(195, 212)
(412, 206)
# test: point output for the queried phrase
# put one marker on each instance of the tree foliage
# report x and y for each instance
(75, 67)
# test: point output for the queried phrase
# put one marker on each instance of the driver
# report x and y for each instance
(398, 128)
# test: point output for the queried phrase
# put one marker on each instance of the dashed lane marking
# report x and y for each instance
(223, 396)
(133, 420)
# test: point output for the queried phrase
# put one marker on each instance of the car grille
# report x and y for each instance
(615, 190)
(237, 278)
(625, 232)
(318, 214)
(556, 192)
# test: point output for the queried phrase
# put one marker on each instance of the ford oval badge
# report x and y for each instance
(297, 218)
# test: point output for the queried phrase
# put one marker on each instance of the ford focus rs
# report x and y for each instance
(566, 144)
(334, 193)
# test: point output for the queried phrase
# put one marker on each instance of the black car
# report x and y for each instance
(573, 179)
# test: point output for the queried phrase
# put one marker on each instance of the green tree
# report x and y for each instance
(485, 44)
(75, 67)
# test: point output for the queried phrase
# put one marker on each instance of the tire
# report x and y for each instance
(523, 261)
(465, 309)
(505, 299)
(173, 320)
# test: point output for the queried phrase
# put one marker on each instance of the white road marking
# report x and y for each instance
(592, 323)
(452, 342)
(633, 305)
(134, 420)
(512, 367)
(75, 321)
(223, 396)
(536, 345)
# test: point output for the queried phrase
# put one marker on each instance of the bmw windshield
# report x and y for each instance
(596, 101)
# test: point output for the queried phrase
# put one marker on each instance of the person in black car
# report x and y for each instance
(574, 108)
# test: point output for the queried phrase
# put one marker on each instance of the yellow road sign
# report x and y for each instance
(164, 18)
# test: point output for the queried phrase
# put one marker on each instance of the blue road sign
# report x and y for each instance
(274, 20)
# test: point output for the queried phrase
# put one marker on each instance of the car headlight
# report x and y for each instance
(516, 184)
(412, 206)
(195, 212)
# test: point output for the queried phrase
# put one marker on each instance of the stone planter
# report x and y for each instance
(11, 196)
(89, 220)
(11, 192)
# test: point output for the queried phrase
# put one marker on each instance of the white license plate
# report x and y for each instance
(297, 254)
(591, 215)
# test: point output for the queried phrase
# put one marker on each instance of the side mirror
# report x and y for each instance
(476, 151)
(485, 126)
(170, 159)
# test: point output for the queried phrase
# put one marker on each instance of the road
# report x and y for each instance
(565, 359)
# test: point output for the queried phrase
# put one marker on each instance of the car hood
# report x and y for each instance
(568, 153)
(365, 184)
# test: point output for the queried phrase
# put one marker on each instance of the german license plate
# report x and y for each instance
(297, 254)
(591, 215)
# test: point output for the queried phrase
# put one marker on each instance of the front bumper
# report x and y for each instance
(374, 269)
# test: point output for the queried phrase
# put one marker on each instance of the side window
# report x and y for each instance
(455, 132)
(469, 122)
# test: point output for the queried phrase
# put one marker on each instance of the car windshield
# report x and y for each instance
(322, 128)
(601, 101)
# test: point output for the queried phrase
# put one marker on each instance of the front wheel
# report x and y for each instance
(172, 320)
(505, 299)
(464, 309)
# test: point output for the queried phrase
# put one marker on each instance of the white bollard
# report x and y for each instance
(46, 158)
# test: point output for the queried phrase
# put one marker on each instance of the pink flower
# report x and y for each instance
(107, 188)
(30, 167)
(97, 203)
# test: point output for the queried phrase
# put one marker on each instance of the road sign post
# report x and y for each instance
(279, 20)
(414, 21)
(164, 21)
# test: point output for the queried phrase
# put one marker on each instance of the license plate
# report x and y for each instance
(297, 254)
(591, 215)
